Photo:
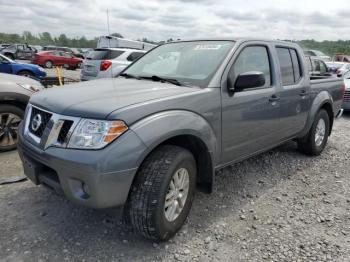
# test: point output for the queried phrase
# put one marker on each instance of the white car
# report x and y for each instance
(108, 62)
(342, 70)
(318, 54)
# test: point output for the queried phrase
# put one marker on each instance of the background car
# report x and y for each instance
(108, 62)
(334, 66)
(318, 54)
(15, 92)
(317, 67)
(49, 59)
(9, 66)
(18, 51)
(343, 69)
(346, 101)
(74, 51)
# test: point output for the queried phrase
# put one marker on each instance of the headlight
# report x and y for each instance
(32, 88)
(41, 69)
(95, 134)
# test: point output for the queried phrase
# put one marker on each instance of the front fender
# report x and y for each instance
(157, 128)
(321, 99)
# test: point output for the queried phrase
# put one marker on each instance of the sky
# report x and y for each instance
(180, 19)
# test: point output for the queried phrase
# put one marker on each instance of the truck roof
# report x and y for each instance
(238, 39)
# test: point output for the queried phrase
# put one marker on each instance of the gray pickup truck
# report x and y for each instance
(149, 138)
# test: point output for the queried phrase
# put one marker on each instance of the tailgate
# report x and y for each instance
(91, 67)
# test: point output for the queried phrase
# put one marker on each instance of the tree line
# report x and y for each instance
(45, 38)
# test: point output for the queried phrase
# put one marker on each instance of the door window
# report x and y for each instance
(253, 58)
(290, 65)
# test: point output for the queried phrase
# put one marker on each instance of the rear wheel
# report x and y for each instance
(10, 118)
(25, 73)
(315, 141)
(162, 194)
(48, 64)
(79, 65)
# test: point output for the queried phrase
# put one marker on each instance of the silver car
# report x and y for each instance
(346, 101)
(15, 92)
(108, 62)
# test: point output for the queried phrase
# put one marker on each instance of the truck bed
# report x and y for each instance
(331, 84)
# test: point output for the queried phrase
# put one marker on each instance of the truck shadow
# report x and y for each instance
(77, 230)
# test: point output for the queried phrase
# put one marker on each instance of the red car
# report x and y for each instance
(49, 59)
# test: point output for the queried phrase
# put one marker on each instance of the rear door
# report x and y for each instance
(250, 118)
(295, 96)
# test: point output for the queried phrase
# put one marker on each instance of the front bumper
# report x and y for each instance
(92, 178)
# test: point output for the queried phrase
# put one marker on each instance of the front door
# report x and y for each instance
(250, 118)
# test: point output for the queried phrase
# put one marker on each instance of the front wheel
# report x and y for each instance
(10, 118)
(315, 141)
(162, 193)
(25, 73)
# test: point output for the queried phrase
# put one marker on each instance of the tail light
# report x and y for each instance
(105, 64)
(343, 89)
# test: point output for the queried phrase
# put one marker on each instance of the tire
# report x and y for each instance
(145, 208)
(79, 65)
(25, 73)
(48, 64)
(308, 144)
(8, 132)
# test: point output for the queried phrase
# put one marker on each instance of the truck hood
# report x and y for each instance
(98, 98)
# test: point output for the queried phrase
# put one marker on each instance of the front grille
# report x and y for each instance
(347, 95)
(44, 117)
(64, 131)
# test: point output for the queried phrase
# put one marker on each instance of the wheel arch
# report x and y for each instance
(322, 101)
(192, 133)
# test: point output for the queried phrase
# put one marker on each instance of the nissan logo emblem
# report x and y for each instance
(36, 122)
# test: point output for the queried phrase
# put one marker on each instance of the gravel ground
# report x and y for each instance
(279, 206)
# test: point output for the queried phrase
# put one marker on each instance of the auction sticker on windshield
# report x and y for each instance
(207, 47)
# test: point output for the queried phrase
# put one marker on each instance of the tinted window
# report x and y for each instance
(134, 55)
(101, 54)
(286, 65)
(253, 58)
(296, 65)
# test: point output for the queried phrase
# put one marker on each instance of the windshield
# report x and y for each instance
(192, 63)
(101, 54)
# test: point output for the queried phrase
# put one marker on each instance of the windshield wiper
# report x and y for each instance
(163, 79)
(126, 75)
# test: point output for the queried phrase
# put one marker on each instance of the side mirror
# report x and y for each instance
(252, 79)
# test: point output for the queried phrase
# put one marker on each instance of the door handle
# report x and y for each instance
(303, 93)
(274, 98)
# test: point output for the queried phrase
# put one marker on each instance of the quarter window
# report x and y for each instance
(296, 65)
(253, 58)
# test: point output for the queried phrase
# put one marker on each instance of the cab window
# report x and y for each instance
(253, 58)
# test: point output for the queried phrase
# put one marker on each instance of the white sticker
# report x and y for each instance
(207, 47)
